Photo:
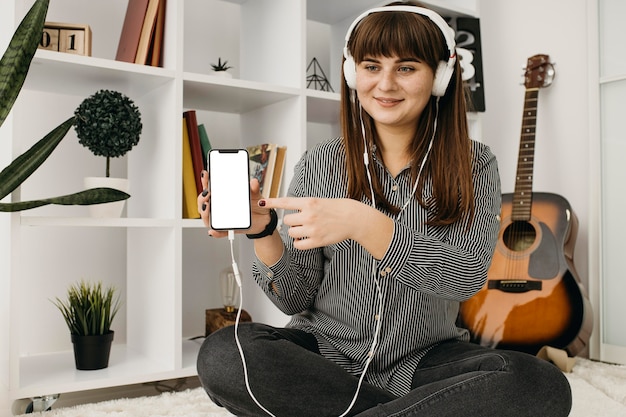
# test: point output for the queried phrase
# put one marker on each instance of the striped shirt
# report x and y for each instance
(426, 272)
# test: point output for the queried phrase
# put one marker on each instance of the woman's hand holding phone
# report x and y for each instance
(260, 215)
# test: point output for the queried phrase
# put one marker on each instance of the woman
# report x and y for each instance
(387, 229)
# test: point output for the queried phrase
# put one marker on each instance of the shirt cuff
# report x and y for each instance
(398, 251)
(267, 277)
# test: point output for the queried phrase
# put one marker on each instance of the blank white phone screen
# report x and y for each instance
(229, 181)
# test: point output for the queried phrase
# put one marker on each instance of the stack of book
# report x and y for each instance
(141, 39)
(267, 163)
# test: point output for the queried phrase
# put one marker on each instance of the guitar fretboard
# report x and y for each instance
(522, 197)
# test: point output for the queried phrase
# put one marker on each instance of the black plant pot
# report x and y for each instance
(92, 352)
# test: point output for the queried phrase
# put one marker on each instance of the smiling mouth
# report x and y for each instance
(383, 100)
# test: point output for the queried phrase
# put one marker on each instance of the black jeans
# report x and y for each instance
(290, 378)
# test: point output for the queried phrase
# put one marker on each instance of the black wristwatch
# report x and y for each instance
(269, 229)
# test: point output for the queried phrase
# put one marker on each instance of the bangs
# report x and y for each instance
(406, 35)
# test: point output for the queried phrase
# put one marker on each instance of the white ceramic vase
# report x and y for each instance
(113, 209)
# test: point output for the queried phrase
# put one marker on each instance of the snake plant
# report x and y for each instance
(14, 67)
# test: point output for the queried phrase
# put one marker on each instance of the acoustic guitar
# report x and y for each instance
(533, 296)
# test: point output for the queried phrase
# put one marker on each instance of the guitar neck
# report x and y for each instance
(522, 197)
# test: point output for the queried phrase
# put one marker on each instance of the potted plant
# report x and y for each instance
(14, 67)
(109, 124)
(88, 312)
(221, 67)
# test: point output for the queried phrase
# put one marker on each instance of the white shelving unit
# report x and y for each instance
(165, 267)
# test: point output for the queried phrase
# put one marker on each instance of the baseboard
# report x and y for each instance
(613, 353)
(71, 399)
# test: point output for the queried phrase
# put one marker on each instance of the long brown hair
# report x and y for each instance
(449, 164)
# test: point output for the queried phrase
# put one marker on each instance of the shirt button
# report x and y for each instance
(270, 274)
(388, 270)
(394, 187)
(383, 273)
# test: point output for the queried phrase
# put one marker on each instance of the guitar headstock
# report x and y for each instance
(539, 71)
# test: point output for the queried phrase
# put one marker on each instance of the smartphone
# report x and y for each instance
(229, 182)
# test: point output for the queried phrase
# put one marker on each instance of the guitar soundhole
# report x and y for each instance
(519, 236)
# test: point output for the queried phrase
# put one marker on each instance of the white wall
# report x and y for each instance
(6, 31)
(511, 32)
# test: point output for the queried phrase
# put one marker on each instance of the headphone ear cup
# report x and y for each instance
(442, 77)
(349, 72)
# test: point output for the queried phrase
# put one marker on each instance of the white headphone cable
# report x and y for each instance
(430, 146)
(366, 159)
(231, 238)
(370, 356)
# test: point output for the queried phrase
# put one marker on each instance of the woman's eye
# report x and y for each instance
(405, 69)
(371, 67)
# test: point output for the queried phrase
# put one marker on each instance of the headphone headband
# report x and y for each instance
(445, 68)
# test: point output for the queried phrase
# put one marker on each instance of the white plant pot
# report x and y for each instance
(223, 74)
(113, 209)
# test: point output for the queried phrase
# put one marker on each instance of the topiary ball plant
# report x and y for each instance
(109, 124)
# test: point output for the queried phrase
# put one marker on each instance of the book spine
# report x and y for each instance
(261, 165)
(147, 32)
(204, 142)
(131, 30)
(156, 46)
(271, 167)
(190, 197)
(279, 168)
(196, 149)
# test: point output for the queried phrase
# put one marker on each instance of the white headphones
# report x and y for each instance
(445, 69)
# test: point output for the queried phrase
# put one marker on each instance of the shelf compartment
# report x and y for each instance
(202, 260)
(243, 31)
(66, 81)
(146, 327)
(56, 373)
(106, 20)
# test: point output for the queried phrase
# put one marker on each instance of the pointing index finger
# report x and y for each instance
(287, 203)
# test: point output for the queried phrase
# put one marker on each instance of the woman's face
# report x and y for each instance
(394, 91)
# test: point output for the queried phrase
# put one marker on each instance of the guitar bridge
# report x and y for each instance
(514, 285)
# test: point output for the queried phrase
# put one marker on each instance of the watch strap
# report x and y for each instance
(269, 229)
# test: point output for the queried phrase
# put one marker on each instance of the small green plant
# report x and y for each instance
(89, 308)
(109, 124)
(220, 66)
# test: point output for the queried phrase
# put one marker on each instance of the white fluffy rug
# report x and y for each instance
(599, 390)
